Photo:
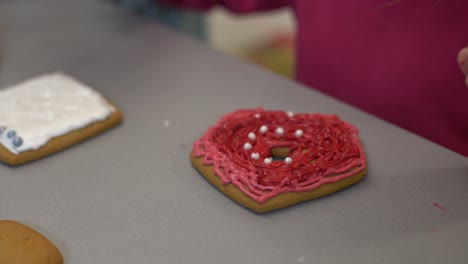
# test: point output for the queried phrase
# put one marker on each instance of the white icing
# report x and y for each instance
(48, 106)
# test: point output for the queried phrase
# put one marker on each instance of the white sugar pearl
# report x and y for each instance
(257, 115)
(252, 136)
(288, 160)
(247, 146)
(279, 131)
(263, 129)
(299, 133)
(267, 160)
(290, 113)
(255, 156)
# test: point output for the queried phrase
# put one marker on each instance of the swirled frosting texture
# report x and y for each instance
(326, 150)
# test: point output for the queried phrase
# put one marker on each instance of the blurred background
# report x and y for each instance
(266, 39)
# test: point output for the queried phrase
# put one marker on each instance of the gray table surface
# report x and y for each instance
(131, 195)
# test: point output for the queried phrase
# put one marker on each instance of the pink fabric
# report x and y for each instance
(396, 59)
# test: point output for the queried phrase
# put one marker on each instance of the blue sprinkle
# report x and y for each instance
(11, 133)
(17, 141)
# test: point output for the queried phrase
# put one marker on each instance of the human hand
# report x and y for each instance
(463, 63)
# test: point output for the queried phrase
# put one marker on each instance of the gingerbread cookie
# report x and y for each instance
(267, 160)
(20, 244)
(49, 113)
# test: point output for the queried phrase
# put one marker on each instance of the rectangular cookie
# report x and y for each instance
(20, 244)
(49, 113)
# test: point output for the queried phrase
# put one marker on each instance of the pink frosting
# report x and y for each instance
(328, 150)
